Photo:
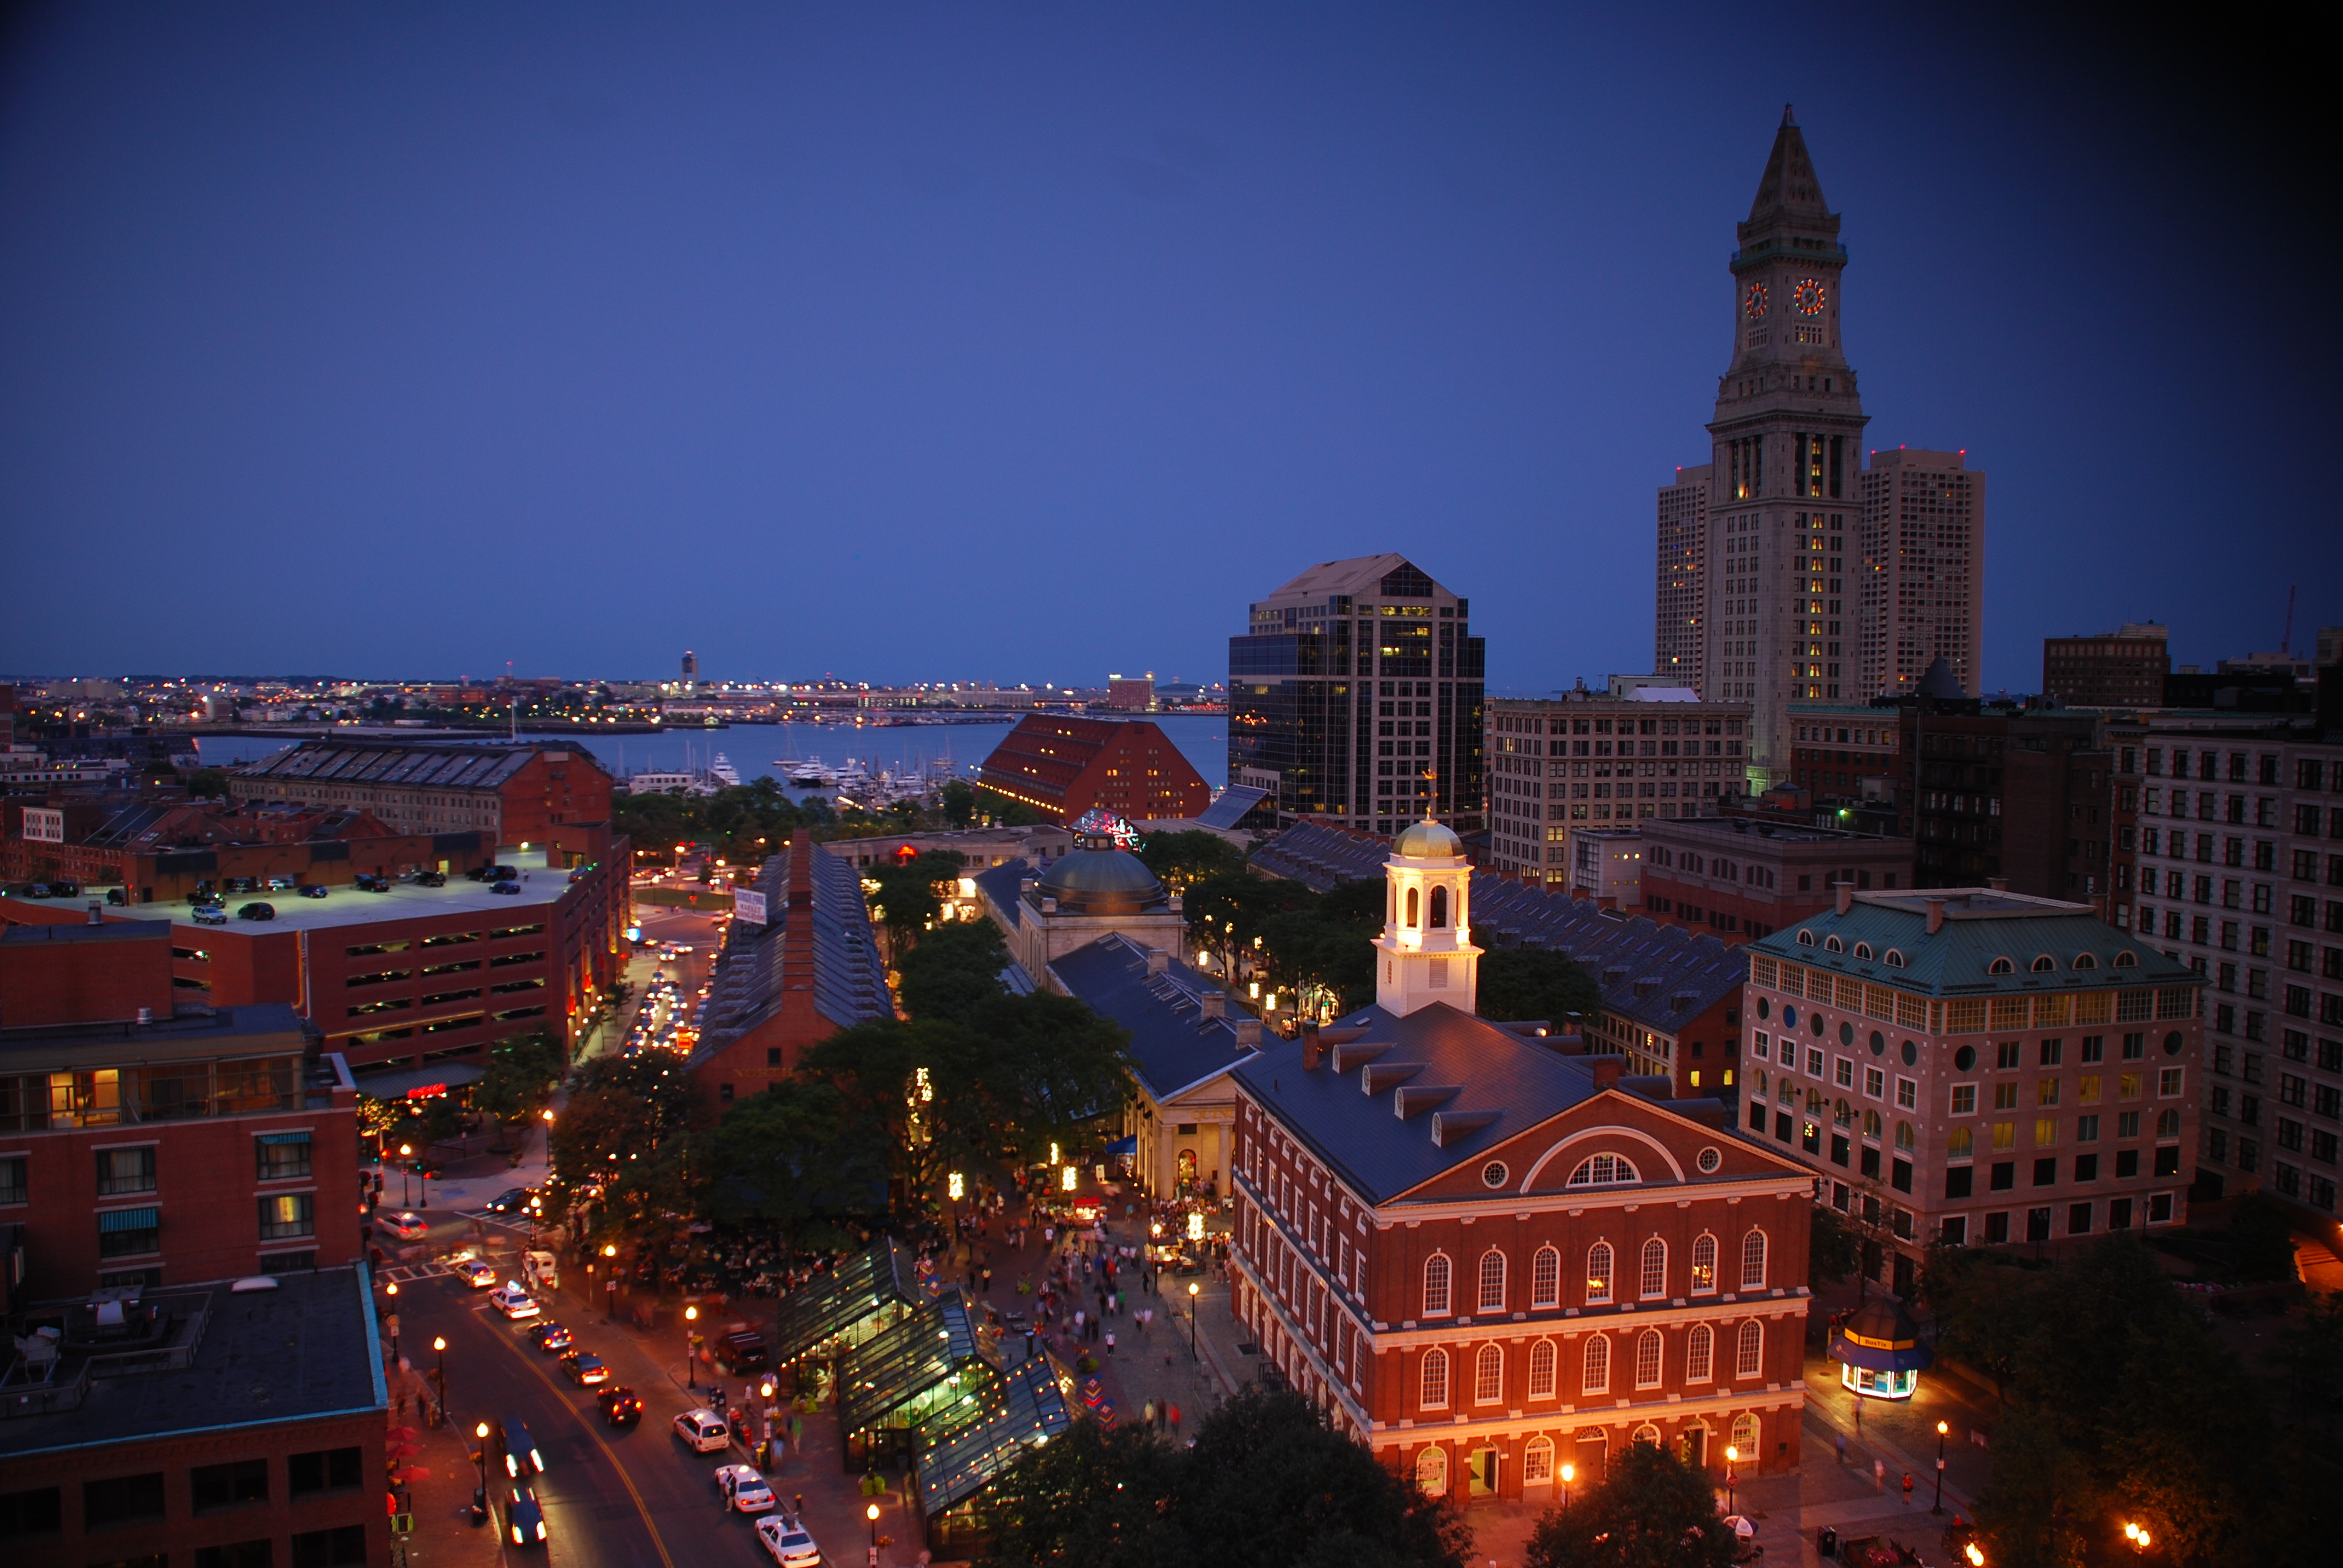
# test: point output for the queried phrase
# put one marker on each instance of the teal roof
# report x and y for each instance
(1981, 925)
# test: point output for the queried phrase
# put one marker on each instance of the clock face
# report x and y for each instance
(1755, 303)
(1809, 297)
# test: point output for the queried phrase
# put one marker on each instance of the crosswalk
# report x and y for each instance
(400, 1273)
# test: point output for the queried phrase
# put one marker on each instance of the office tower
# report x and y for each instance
(1773, 549)
(1354, 697)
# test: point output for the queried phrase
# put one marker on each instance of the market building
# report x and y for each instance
(1486, 1258)
(1049, 910)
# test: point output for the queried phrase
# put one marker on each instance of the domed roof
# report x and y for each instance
(1428, 841)
(1101, 881)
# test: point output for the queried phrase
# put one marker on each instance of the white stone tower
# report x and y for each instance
(1426, 954)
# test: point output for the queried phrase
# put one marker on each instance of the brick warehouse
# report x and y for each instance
(1062, 765)
(525, 795)
(1486, 1259)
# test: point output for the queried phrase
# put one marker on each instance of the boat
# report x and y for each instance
(809, 774)
(723, 772)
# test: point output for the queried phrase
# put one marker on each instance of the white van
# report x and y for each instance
(540, 1270)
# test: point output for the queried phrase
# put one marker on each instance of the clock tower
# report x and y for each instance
(1778, 583)
(1426, 953)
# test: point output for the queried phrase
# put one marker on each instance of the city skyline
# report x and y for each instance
(1268, 298)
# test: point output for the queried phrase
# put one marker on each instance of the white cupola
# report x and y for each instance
(1424, 954)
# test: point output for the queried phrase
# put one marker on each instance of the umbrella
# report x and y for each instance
(403, 1451)
(403, 1433)
(408, 1474)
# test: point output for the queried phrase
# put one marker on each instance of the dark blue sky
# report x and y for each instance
(1030, 341)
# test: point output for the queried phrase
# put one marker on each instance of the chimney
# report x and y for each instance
(1310, 1048)
(1249, 1033)
(1049, 906)
(1213, 1003)
(1935, 916)
(1606, 1071)
(1158, 961)
(1998, 884)
(1846, 897)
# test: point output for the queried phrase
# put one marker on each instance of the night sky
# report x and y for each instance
(1030, 341)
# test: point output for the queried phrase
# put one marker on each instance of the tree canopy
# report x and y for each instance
(955, 969)
(1181, 860)
(799, 1151)
(1518, 984)
(1268, 1484)
(624, 1125)
(1317, 945)
(1651, 1510)
(519, 1076)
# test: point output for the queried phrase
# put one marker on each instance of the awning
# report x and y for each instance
(285, 1138)
(401, 1082)
(129, 1219)
(1124, 1145)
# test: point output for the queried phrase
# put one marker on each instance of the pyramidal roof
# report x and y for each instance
(1789, 187)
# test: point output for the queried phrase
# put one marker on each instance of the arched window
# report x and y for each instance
(1439, 908)
(1904, 1136)
(1862, 950)
(2126, 960)
(1700, 1353)
(1655, 1269)
(1649, 1348)
(1603, 1171)
(2087, 961)
(1750, 1360)
(1598, 1272)
(1489, 1375)
(1435, 1285)
(1537, 1461)
(1831, 944)
(1411, 907)
(1962, 1145)
(1433, 1395)
(2001, 967)
(1894, 958)
(1753, 1261)
(1744, 1433)
(1597, 1378)
(1542, 1368)
(2043, 963)
(1704, 1265)
(1648, 1434)
(1432, 1472)
(1842, 1114)
(1871, 1125)
(1493, 1282)
(1806, 938)
(1545, 1278)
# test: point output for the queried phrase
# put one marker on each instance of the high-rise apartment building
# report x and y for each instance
(1810, 576)
(2120, 669)
(1680, 650)
(1584, 759)
(1354, 697)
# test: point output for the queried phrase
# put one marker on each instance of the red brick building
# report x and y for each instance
(528, 795)
(1062, 765)
(812, 969)
(1741, 878)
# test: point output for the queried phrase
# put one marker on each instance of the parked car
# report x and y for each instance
(788, 1543)
(242, 885)
(743, 1490)
(257, 911)
(514, 1302)
(704, 1429)
(65, 890)
(280, 884)
(366, 882)
(619, 1405)
(209, 915)
(740, 1353)
(507, 888)
(585, 1369)
(476, 1273)
(116, 895)
(312, 890)
(409, 1227)
(522, 1520)
(551, 1337)
(431, 878)
(506, 1201)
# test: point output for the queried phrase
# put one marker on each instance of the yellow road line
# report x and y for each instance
(602, 1443)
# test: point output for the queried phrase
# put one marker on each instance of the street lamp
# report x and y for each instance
(871, 1513)
(2138, 1537)
(1732, 1458)
(610, 1284)
(405, 1176)
(1975, 1555)
(439, 1343)
(1193, 1289)
(1941, 1429)
(480, 1457)
(690, 1372)
(1569, 1472)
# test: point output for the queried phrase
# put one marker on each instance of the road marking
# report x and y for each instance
(603, 1445)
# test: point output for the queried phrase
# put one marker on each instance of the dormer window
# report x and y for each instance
(1894, 958)
(2043, 963)
(2001, 967)
(1862, 950)
(2126, 960)
(1806, 938)
(2087, 961)
(1831, 944)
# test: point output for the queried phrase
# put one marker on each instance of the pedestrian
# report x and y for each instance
(1078, 1320)
(986, 1275)
(1842, 1450)
(1147, 1415)
(1175, 1418)
(1878, 1475)
(1110, 1342)
(797, 1505)
(1907, 1489)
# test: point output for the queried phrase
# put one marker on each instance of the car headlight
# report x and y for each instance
(517, 1535)
(540, 1530)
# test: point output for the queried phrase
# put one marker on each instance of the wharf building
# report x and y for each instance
(1063, 767)
(1788, 570)
(1975, 1067)
(530, 795)
(1355, 699)
(1487, 1258)
(1560, 766)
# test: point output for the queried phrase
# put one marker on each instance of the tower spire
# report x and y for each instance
(1788, 187)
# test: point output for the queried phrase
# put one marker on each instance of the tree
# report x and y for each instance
(519, 1077)
(2261, 1239)
(1047, 1067)
(1833, 1251)
(208, 784)
(1524, 983)
(796, 1153)
(624, 1127)
(1089, 1498)
(1651, 1510)
(959, 803)
(1006, 813)
(908, 901)
(954, 969)
(1181, 860)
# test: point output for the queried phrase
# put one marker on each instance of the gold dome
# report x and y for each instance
(1428, 840)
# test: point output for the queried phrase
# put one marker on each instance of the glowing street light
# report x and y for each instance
(1569, 1474)
(1941, 1429)
(1072, 1174)
(1976, 1557)
(1193, 1289)
(2138, 1537)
